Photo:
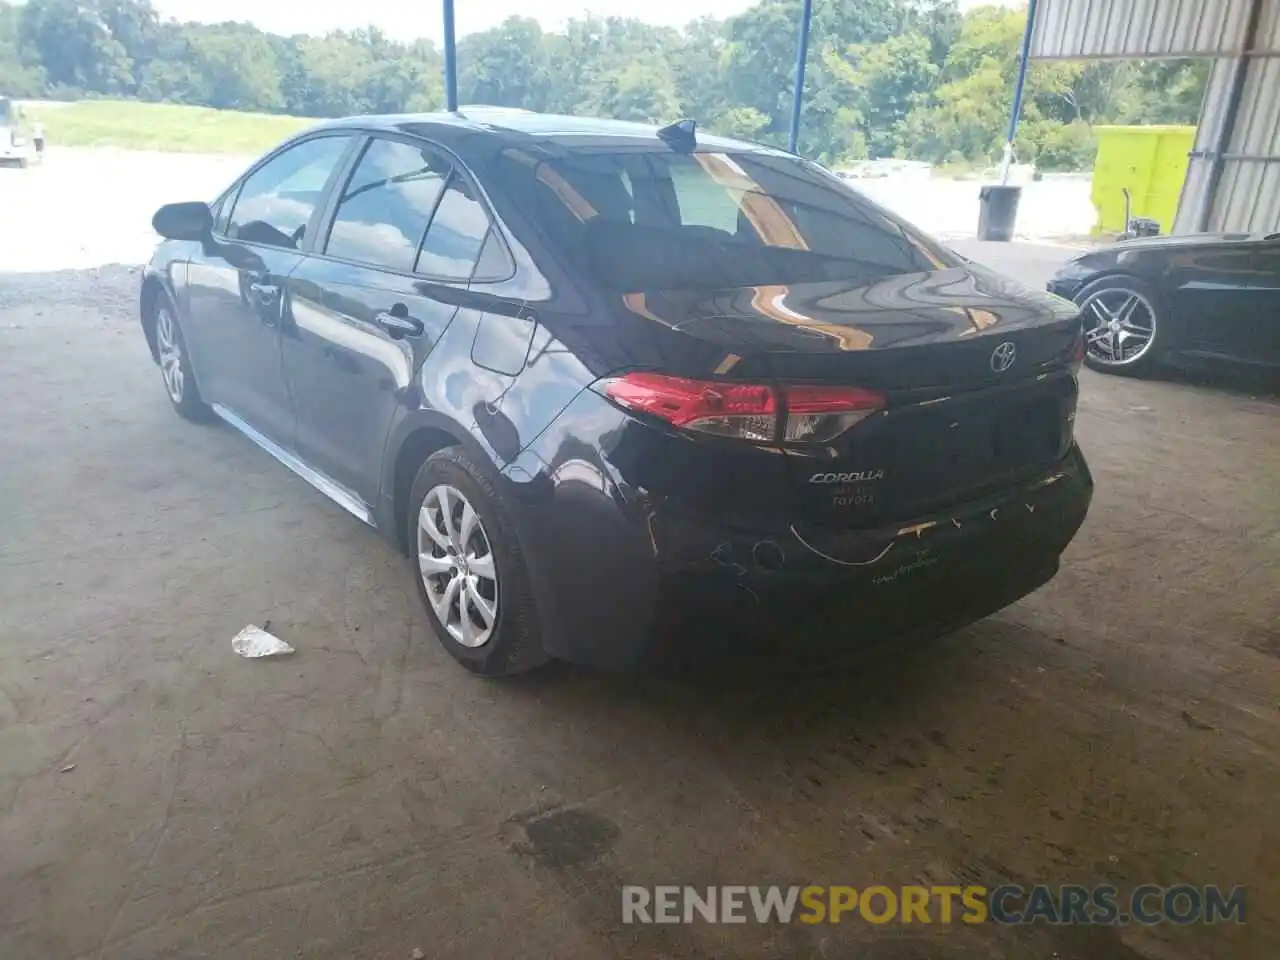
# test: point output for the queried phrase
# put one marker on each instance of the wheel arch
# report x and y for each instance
(411, 451)
(1117, 273)
(1152, 289)
(153, 288)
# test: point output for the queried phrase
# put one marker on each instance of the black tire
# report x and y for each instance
(186, 400)
(515, 644)
(1149, 359)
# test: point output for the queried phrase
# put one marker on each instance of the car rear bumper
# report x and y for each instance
(664, 584)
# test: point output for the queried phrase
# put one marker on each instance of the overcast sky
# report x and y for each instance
(409, 19)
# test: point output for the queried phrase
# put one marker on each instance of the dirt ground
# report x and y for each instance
(161, 797)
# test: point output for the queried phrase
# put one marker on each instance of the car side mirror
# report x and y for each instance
(184, 221)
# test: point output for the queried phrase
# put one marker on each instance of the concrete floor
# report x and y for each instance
(161, 797)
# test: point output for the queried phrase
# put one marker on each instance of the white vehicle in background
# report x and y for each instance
(16, 147)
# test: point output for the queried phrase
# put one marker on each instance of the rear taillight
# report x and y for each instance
(817, 414)
(760, 414)
(745, 411)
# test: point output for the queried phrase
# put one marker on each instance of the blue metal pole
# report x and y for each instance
(802, 55)
(1020, 84)
(451, 60)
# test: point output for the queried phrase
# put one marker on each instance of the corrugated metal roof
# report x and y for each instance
(1091, 29)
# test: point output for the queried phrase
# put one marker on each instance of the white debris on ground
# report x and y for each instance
(84, 208)
(254, 642)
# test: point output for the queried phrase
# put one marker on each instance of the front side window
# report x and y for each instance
(221, 210)
(277, 200)
(386, 205)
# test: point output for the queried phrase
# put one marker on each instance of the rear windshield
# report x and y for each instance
(648, 220)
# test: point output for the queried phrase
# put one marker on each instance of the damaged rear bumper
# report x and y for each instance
(695, 587)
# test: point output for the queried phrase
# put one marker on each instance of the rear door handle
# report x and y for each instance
(399, 325)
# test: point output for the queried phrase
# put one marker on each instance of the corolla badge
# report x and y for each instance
(1002, 357)
(857, 476)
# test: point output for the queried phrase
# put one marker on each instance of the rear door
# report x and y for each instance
(372, 300)
(236, 283)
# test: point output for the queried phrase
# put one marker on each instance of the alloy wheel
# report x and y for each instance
(457, 566)
(1119, 326)
(169, 348)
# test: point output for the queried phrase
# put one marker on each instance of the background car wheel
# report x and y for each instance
(175, 363)
(471, 573)
(1121, 325)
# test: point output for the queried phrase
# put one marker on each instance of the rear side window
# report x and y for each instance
(456, 234)
(659, 219)
(386, 205)
(493, 262)
(277, 201)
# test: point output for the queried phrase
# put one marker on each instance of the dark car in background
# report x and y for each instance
(617, 389)
(1206, 300)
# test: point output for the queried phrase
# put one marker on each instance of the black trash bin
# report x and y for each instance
(999, 210)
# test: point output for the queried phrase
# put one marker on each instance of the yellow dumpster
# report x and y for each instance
(1151, 162)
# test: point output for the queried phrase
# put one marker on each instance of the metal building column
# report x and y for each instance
(802, 55)
(1019, 87)
(450, 60)
(1240, 72)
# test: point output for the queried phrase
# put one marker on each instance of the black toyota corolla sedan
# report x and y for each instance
(620, 389)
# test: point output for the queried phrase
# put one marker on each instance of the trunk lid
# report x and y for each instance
(975, 369)
(918, 331)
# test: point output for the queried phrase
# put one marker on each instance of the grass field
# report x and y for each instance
(160, 126)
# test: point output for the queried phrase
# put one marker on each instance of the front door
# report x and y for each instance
(1223, 296)
(237, 284)
(373, 300)
(1260, 335)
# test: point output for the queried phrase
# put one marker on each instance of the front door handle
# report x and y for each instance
(399, 325)
(268, 302)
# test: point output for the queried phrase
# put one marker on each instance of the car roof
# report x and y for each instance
(526, 128)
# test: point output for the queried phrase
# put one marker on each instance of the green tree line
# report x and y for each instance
(886, 78)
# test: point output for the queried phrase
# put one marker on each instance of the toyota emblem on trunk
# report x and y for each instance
(1002, 357)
